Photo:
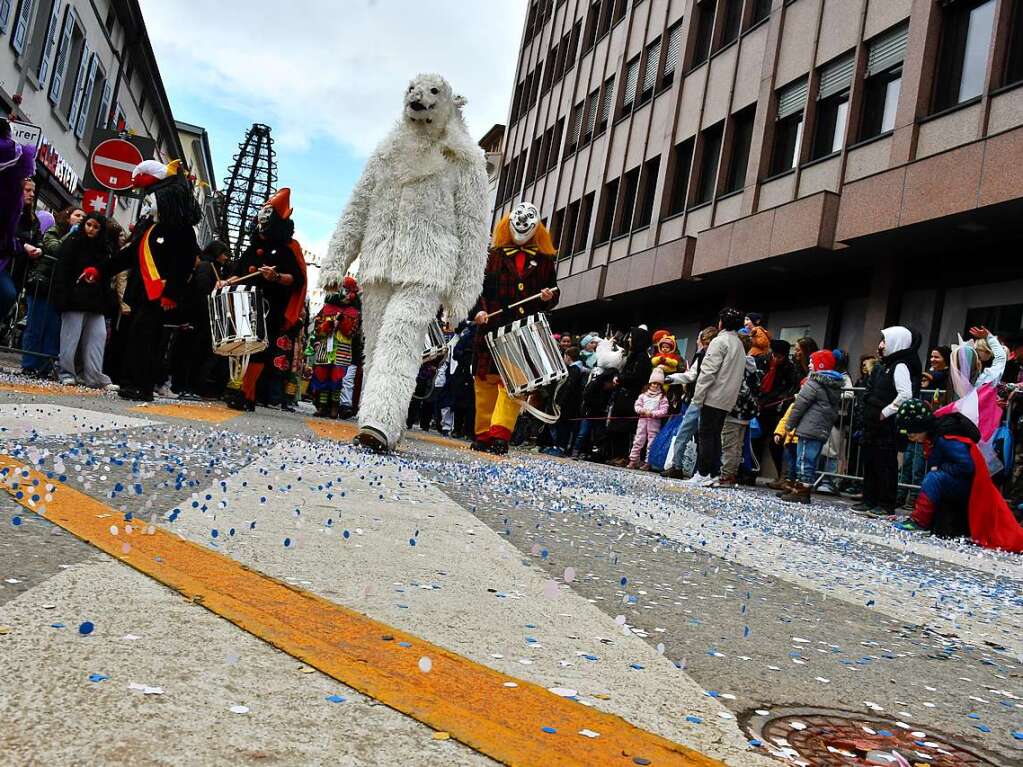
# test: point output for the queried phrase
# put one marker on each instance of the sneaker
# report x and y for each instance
(68, 380)
(826, 488)
(673, 473)
(727, 482)
(709, 482)
(697, 480)
(164, 391)
(909, 526)
(111, 387)
(863, 507)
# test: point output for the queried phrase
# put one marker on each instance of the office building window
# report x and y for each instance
(966, 33)
(832, 107)
(647, 190)
(653, 59)
(555, 150)
(592, 103)
(883, 85)
(21, 26)
(731, 23)
(631, 85)
(573, 46)
(710, 157)
(742, 139)
(761, 10)
(1014, 64)
(619, 14)
(575, 128)
(64, 46)
(704, 26)
(556, 223)
(605, 18)
(582, 228)
(555, 63)
(672, 54)
(502, 182)
(5, 14)
(607, 100)
(682, 163)
(592, 19)
(607, 212)
(788, 130)
(630, 187)
(568, 236)
(534, 160)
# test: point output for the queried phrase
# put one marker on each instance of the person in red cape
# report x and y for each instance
(957, 497)
(274, 253)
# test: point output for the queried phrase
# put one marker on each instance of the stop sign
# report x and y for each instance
(112, 163)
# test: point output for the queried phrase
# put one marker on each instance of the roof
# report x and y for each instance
(204, 139)
(496, 133)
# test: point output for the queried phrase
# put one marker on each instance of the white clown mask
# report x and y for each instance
(524, 220)
(264, 216)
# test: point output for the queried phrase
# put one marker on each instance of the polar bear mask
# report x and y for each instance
(430, 103)
(524, 220)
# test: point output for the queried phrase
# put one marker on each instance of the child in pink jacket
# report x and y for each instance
(651, 407)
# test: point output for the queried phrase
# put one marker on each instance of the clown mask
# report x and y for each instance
(264, 217)
(525, 219)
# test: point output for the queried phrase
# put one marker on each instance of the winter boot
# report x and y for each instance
(786, 487)
(499, 446)
(800, 493)
(633, 465)
(779, 484)
(372, 439)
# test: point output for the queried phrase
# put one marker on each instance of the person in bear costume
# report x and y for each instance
(417, 222)
(277, 256)
(521, 265)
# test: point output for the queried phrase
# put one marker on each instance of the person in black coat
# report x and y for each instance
(83, 297)
(194, 361)
(635, 377)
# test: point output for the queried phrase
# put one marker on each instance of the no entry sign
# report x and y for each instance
(112, 163)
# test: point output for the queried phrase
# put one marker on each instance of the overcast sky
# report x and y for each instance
(328, 77)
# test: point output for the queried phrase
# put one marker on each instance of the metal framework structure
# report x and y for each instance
(252, 178)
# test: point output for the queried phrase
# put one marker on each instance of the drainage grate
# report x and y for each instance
(815, 737)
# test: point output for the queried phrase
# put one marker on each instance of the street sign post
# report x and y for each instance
(26, 133)
(112, 163)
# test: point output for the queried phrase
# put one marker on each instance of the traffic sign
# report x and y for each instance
(95, 200)
(112, 163)
(26, 133)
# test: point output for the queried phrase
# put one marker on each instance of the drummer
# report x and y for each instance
(521, 265)
(277, 258)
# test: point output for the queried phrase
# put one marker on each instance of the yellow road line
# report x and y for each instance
(50, 391)
(491, 712)
(205, 413)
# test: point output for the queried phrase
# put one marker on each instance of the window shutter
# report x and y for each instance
(90, 85)
(836, 77)
(5, 13)
(79, 92)
(792, 98)
(609, 98)
(63, 52)
(104, 105)
(577, 125)
(887, 50)
(21, 26)
(631, 83)
(50, 42)
(653, 56)
(591, 112)
(674, 48)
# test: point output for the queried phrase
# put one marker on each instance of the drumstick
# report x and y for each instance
(234, 280)
(519, 303)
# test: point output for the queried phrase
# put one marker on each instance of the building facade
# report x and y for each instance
(491, 144)
(198, 158)
(70, 67)
(836, 165)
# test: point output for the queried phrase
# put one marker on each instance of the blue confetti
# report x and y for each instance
(1018, 734)
(624, 580)
(694, 719)
(411, 541)
(549, 730)
(336, 698)
(97, 677)
(287, 542)
(16, 521)
(983, 728)
(85, 628)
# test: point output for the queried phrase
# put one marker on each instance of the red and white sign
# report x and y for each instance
(95, 200)
(112, 163)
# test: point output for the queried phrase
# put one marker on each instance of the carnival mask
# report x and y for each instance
(264, 217)
(524, 220)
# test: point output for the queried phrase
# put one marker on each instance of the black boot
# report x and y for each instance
(499, 446)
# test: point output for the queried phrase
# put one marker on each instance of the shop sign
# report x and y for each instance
(58, 166)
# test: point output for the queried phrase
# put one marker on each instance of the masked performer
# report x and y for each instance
(521, 264)
(277, 257)
(417, 223)
(160, 258)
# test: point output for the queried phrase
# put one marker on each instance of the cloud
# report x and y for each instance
(336, 69)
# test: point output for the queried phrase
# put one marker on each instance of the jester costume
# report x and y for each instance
(332, 347)
(284, 291)
(160, 258)
(521, 264)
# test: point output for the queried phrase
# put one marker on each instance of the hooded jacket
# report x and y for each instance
(896, 377)
(816, 407)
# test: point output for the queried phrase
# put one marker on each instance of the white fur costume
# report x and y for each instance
(417, 222)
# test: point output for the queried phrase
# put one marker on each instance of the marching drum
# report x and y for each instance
(435, 346)
(238, 324)
(528, 360)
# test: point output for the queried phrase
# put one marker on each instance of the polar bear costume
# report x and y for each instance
(417, 222)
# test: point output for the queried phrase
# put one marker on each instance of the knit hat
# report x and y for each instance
(754, 317)
(659, 334)
(914, 417)
(822, 360)
(657, 376)
(588, 339)
(778, 346)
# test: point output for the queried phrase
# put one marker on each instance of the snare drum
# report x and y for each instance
(237, 321)
(528, 359)
(435, 345)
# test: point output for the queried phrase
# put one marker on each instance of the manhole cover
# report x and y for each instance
(815, 737)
